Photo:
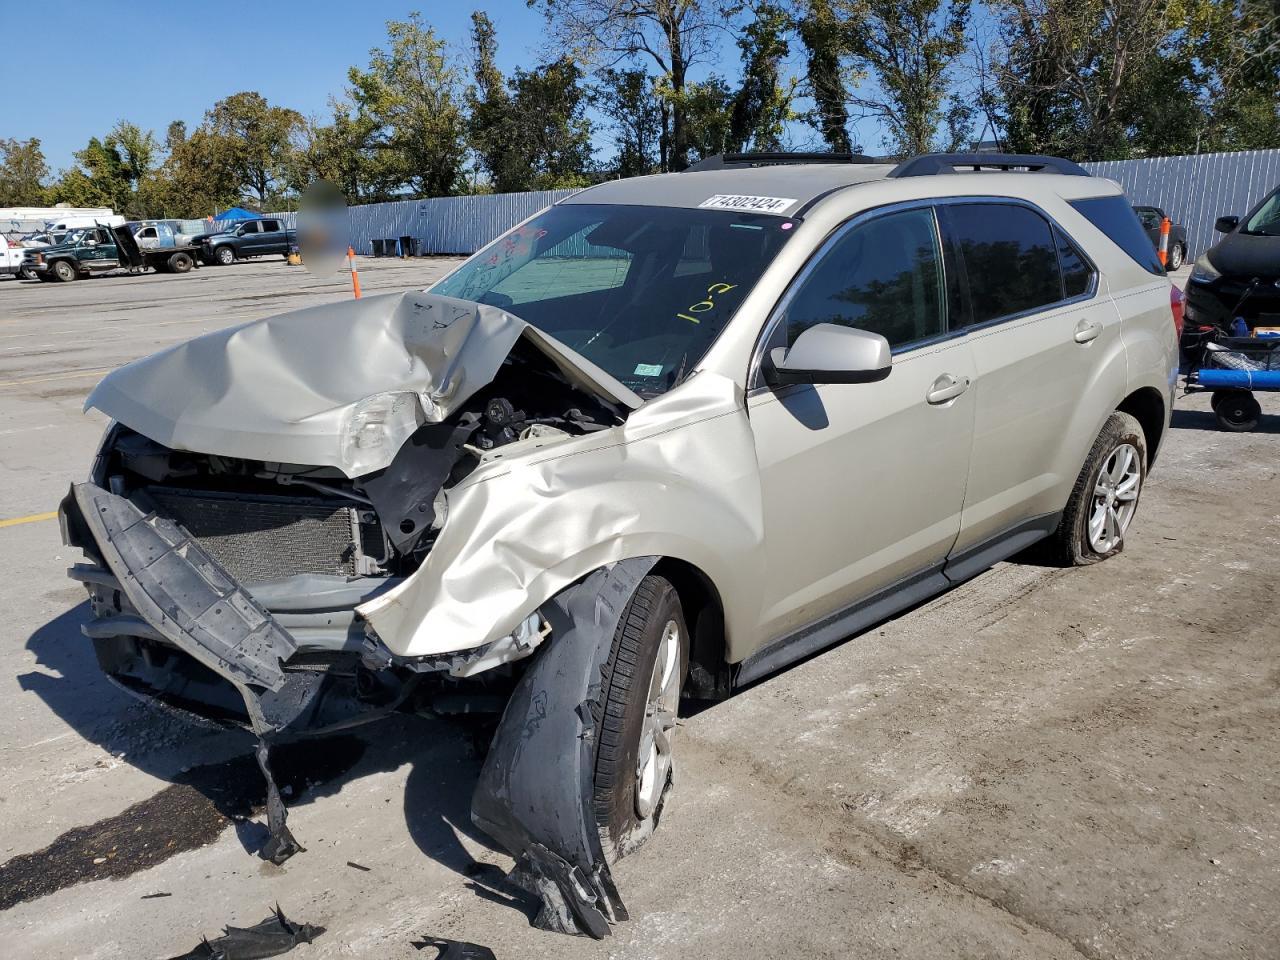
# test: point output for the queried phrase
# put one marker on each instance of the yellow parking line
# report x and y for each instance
(33, 518)
(56, 376)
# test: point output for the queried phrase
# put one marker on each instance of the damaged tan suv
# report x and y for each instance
(658, 441)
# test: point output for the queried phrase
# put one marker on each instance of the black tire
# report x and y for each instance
(1238, 411)
(64, 271)
(1069, 545)
(27, 274)
(180, 263)
(1177, 257)
(627, 675)
(224, 255)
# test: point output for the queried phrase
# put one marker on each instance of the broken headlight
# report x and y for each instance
(377, 426)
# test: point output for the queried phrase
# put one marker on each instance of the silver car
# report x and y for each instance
(657, 442)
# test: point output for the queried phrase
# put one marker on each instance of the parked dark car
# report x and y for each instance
(248, 238)
(1240, 275)
(1151, 218)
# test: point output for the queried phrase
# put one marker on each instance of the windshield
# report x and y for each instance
(1266, 222)
(642, 292)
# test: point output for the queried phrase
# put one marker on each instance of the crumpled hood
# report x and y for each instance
(292, 388)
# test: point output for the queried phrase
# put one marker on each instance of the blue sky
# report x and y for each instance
(153, 61)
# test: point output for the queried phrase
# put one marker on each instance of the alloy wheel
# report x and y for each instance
(1115, 498)
(653, 760)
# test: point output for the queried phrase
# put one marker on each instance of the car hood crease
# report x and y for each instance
(283, 389)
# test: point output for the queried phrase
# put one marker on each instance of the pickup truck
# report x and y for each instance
(248, 238)
(102, 249)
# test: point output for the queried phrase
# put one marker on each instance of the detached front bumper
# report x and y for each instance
(172, 625)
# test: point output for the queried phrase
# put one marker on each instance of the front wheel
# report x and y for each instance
(64, 272)
(643, 677)
(225, 256)
(1105, 497)
(1177, 255)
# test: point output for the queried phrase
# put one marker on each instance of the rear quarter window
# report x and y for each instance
(1114, 217)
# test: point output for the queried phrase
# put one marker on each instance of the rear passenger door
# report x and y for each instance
(1044, 343)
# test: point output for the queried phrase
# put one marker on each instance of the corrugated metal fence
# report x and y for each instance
(1196, 190)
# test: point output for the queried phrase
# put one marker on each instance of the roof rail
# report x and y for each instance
(723, 161)
(932, 164)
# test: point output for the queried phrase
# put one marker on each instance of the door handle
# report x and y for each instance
(1087, 330)
(946, 387)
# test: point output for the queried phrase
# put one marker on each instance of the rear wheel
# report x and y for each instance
(180, 263)
(1176, 257)
(64, 272)
(643, 677)
(1105, 497)
(225, 256)
(1238, 411)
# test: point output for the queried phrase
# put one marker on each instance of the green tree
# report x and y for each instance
(674, 35)
(822, 34)
(411, 98)
(23, 171)
(908, 48)
(762, 105)
(258, 142)
(708, 109)
(627, 100)
(491, 124)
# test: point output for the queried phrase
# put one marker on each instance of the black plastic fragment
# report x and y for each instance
(534, 795)
(282, 845)
(454, 949)
(270, 938)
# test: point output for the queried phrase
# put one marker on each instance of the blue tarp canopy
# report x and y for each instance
(237, 213)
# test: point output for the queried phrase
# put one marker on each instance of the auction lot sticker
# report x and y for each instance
(736, 201)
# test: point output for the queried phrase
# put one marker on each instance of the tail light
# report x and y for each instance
(1176, 307)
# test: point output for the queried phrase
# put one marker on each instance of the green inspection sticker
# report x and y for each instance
(648, 369)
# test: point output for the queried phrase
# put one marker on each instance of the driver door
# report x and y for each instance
(863, 483)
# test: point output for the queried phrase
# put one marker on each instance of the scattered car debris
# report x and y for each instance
(155, 896)
(270, 938)
(357, 866)
(454, 949)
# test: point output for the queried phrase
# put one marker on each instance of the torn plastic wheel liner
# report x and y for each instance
(534, 794)
(270, 938)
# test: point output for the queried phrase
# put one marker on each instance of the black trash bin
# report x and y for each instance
(408, 247)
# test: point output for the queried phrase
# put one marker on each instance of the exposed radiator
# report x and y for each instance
(259, 538)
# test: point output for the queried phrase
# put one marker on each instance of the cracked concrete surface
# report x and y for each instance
(1039, 763)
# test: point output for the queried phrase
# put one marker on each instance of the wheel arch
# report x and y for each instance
(1146, 405)
(703, 608)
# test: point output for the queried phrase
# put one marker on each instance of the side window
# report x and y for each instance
(148, 234)
(884, 276)
(1077, 275)
(270, 226)
(249, 228)
(1114, 217)
(1010, 258)
(1148, 216)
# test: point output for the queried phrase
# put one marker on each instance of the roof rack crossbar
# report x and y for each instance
(722, 161)
(932, 164)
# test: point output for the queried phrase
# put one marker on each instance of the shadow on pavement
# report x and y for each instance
(1205, 420)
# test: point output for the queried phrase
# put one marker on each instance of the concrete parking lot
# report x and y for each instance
(1041, 763)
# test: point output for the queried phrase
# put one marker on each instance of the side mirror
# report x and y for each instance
(829, 353)
(1226, 224)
